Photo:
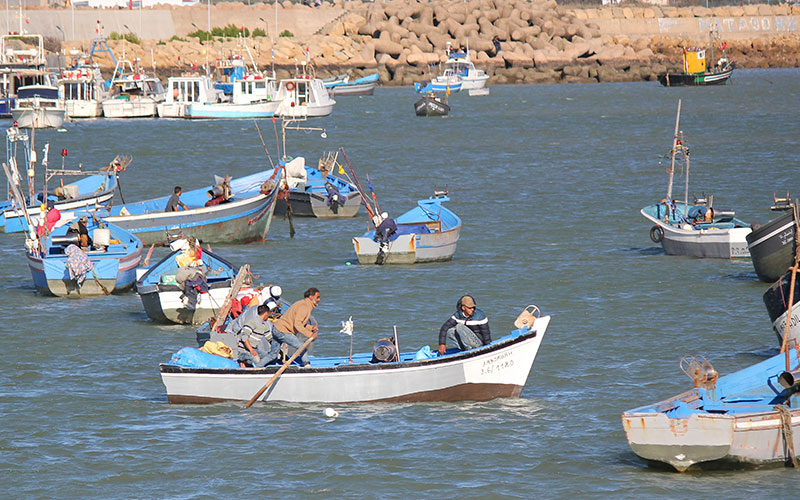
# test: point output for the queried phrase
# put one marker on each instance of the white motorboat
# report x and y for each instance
(185, 90)
(38, 106)
(134, 94)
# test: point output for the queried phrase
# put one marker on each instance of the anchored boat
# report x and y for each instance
(430, 105)
(497, 370)
(773, 246)
(783, 299)
(697, 229)
(749, 417)
(696, 71)
(342, 85)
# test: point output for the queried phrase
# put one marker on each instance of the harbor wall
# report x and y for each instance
(541, 41)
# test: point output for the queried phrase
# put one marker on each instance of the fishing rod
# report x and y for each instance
(370, 210)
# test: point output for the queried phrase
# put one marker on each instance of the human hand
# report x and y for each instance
(314, 334)
(442, 349)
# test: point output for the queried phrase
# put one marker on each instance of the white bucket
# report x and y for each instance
(71, 191)
(101, 237)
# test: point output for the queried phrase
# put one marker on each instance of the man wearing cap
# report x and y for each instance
(259, 342)
(297, 322)
(467, 329)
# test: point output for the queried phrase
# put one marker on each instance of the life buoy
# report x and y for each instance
(289, 86)
(656, 234)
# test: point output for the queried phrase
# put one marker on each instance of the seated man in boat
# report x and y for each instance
(259, 342)
(386, 228)
(175, 201)
(79, 228)
(297, 322)
(467, 329)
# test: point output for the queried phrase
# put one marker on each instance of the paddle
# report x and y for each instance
(278, 373)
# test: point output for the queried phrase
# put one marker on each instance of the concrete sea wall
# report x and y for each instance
(541, 41)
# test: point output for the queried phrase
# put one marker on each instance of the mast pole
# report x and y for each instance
(674, 146)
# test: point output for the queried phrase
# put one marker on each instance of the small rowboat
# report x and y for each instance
(777, 299)
(430, 105)
(427, 233)
(773, 245)
(245, 217)
(162, 296)
(747, 417)
(497, 370)
(114, 257)
(314, 193)
(343, 86)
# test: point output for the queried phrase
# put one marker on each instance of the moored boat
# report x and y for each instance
(343, 86)
(430, 105)
(695, 70)
(303, 96)
(244, 217)
(21, 64)
(428, 232)
(497, 370)
(460, 72)
(694, 229)
(749, 417)
(82, 89)
(773, 245)
(253, 96)
(777, 299)
(38, 106)
(134, 94)
(184, 91)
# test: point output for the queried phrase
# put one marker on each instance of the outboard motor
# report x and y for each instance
(68, 239)
(334, 197)
(384, 351)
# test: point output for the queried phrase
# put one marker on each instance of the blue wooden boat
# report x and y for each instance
(342, 85)
(314, 192)
(433, 86)
(114, 255)
(427, 233)
(750, 417)
(245, 217)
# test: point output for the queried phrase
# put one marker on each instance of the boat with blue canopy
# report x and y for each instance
(428, 232)
(497, 370)
(695, 229)
(90, 189)
(750, 417)
(244, 213)
(65, 266)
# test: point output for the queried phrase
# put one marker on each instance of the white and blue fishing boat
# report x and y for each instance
(165, 301)
(316, 192)
(134, 94)
(783, 306)
(93, 188)
(427, 233)
(303, 97)
(253, 97)
(460, 72)
(497, 370)
(694, 229)
(342, 85)
(184, 91)
(20, 65)
(750, 417)
(245, 216)
(61, 267)
(428, 87)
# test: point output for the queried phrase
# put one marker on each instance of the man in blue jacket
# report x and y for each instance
(467, 329)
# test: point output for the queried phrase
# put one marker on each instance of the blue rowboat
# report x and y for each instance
(749, 417)
(245, 217)
(427, 233)
(114, 257)
(344, 86)
(433, 86)
(85, 192)
(314, 194)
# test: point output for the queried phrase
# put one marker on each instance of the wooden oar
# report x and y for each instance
(244, 271)
(283, 368)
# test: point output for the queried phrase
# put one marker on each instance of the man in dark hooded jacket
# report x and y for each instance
(467, 329)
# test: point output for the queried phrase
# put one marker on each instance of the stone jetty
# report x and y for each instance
(540, 40)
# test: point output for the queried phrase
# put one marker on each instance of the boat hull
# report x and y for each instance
(704, 243)
(354, 89)
(316, 205)
(689, 79)
(493, 371)
(231, 111)
(39, 117)
(409, 248)
(776, 299)
(772, 247)
(136, 108)
(312, 110)
(428, 106)
(163, 304)
(83, 109)
(236, 222)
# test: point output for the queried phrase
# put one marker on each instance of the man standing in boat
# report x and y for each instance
(467, 329)
(175, 201)
(297, 321)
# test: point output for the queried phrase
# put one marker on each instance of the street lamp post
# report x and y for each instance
(276, 19)
(63, 38)
(266, 28)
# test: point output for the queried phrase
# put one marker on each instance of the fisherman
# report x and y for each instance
(79, 228)
(175, 201)
(467, 329)
(298, 322)
(275, 298)
(385, 229)
(254, 335)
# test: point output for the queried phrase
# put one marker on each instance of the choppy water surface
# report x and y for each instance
(548, 180)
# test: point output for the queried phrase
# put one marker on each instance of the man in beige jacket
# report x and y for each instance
(296, 319)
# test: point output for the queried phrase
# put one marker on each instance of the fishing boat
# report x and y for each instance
(427, 233)
(253, 97)
(694, 229)
(134, 94)
(93, 187)
(342, 85)
(303, 96)
(773, 245)
(459, 72)
(58, 263)
(184, 91)
(695, 70)
(38, 106)
(244, 217)
(430, 105)
(82, 89)
(779, 299)
(429, 87)
(314, 192)
(21, 64)
(497, 370)
(164, 300)
(749, 417)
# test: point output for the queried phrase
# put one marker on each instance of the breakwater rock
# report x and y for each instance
(540, 41)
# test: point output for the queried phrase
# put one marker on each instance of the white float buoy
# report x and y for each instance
(331, 413)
